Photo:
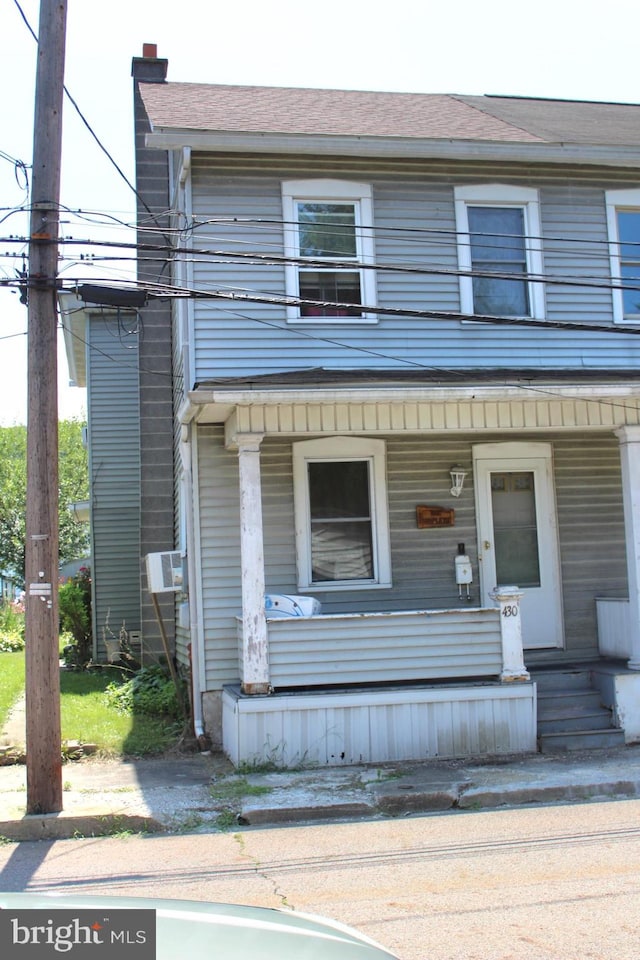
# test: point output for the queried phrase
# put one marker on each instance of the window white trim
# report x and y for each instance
(619, 200)
(501, 195)
(361, 194)
(342, 449)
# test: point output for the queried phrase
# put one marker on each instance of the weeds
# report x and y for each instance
(274, 762)
(237, 789)
(150, 691)
(229, 796)
(190, 823)
(86, 712)
(226, 820)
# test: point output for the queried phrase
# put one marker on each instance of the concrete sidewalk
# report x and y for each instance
(202, 792)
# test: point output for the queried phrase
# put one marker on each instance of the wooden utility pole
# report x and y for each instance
(44, 761)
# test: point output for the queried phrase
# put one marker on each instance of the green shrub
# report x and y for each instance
(11, 627)
(150, 691)
(75, 617)
(11, 643)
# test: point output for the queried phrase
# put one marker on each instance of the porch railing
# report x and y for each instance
(411, 645)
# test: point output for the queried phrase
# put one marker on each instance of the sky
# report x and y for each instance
(569, 49)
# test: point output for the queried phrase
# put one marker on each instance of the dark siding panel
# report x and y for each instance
(115, 476)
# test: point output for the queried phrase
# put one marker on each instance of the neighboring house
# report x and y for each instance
(371, 297)
(9, 586)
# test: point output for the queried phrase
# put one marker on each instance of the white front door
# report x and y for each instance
(518, 534)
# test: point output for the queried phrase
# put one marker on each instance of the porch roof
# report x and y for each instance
(323, 376)
(291, 407)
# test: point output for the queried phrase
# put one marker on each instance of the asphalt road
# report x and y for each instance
(557, 882)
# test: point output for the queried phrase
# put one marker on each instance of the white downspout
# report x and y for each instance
(194, 625)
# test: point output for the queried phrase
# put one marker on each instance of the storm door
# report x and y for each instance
(517, 534)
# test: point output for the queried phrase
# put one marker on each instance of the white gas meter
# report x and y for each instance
(464, 573)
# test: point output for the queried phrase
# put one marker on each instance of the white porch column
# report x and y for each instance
(513, 667)
(255, 647)
(629, 438)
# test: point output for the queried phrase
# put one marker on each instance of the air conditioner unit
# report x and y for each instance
(164, 572)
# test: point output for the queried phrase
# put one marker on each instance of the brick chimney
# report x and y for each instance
(149, 68)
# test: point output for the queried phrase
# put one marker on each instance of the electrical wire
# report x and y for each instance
(12, 336)
(19, 166)
(462, 374)
(89, 128)
(276, 300)
(135, 367)
(451, 236)
(220, 257)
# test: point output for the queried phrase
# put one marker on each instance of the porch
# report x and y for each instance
(369, 679)
(379, 724)
(372, 687)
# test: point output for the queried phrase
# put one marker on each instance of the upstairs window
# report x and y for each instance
(342, 527)
(329, 222)
(499, 251)
(623, 218)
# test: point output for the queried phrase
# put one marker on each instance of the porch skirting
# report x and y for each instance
(379, 725)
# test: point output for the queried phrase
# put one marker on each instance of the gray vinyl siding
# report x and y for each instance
(426, 212)
(574, 227)
(367, 649)
(114, 469)
(590, 519)
(248, 338)
(591, 532)
(219, 531)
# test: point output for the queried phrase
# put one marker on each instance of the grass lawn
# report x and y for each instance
(11, 682)
(86, 717)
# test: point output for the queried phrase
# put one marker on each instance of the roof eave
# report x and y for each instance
(74, 324)
(215, 405)
(174, 138)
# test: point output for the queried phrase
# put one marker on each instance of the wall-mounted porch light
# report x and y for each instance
(457, 475)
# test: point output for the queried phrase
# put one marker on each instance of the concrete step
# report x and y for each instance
(563, 679)
(571, 715)
(575, 721)
(558, 702)
(581, 740)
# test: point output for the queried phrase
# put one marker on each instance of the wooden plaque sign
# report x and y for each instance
(435, 517)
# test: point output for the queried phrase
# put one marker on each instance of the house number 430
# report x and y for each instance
(511, 610)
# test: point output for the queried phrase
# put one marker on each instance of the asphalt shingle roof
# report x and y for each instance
(282, 110)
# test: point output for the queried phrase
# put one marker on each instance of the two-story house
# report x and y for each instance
(388, 362)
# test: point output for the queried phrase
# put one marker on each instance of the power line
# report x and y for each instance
(181, 292)
(253, 258)
(461, 373)
(134, 367)
(88, 126)
(12, 336)
(440, 236)
(19, 167)
(451, 236)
